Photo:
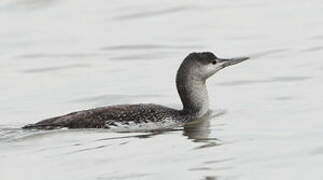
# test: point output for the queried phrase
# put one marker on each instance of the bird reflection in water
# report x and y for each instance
(199, 130)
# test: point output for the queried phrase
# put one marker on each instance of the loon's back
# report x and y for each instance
(107, 117)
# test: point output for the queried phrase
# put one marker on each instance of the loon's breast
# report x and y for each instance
(111, 116)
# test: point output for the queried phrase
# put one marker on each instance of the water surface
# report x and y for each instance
(62, 56)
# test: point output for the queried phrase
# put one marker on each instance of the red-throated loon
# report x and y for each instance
(191, 86)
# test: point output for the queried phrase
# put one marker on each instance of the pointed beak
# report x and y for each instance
(231, 61)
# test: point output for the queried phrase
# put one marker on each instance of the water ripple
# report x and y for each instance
(275, 79)
(313, 49)
(114, 99)
(317, 151)
(48, 55)
(267, 52)
(144, 56)
(125, 176)
(89, 149)
(149, 47)
(27, 4)
(151, 13)
(284, 98)
(56, 68)
(218, 161)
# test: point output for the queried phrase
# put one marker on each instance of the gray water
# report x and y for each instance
(61, 56)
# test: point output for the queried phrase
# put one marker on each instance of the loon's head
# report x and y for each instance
(191, 77)
(204, 64)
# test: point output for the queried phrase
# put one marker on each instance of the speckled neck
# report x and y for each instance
(192, 91)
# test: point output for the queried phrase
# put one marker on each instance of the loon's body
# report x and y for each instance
(112, 116)
(191, 85)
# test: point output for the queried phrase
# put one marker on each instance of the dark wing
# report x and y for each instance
(97, 118)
